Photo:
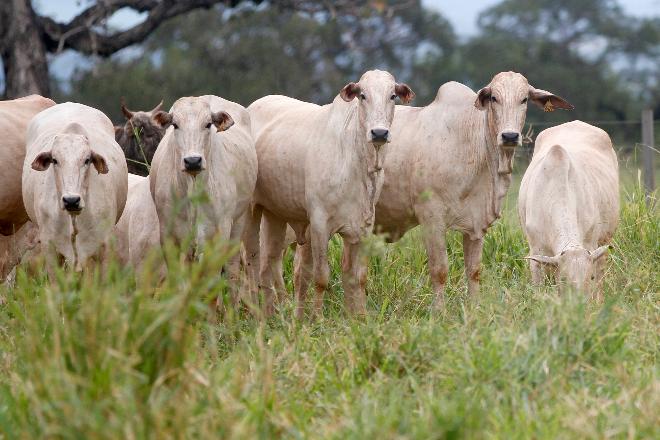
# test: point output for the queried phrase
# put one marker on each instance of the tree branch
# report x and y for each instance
(80, 33)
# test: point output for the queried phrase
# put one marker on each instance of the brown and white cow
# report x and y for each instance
(139, 137)
(14, 118)
(569, 204)
(74, 181)
(320, 171)
(450, 164)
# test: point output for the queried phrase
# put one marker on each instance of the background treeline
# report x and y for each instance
(602, 60)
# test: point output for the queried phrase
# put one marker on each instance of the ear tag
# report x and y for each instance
(548, 107)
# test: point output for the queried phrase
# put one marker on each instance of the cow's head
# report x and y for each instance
(70, 158)
(146, 127)
(505, 99)
(576, 266)
(193, 123)
(377, 92)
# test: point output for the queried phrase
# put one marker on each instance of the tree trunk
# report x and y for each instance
(23, 50)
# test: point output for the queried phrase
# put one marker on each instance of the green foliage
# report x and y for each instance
(96, 356)
(249, 54)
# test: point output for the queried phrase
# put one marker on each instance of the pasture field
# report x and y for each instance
(99, 357)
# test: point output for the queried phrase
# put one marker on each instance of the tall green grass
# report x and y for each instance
(97, 356)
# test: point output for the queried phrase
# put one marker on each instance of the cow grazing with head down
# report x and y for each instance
(14, 118)
(569, 204)
(74, 181)
(139, 137)
(320, 171)
(208, 146)
(450, 167)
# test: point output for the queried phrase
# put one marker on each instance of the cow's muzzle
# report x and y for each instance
(192, 164)
(510, 138)
(72, 204)
(379, 136)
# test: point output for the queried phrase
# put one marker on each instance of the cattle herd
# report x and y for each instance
(76, 190)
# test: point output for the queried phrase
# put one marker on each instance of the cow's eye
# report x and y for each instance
(393, 97)
(493, 99)
(209, 125)
(524, 101)
(593, 277)
(53, 161)
(176, 127)
(87, 161)
(363, 97)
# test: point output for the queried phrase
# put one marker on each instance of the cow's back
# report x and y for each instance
(14, 118)
(571, 185)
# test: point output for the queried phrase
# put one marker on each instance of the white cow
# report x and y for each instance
(320, 168)
(74, 181)
(137, 232)
(14, 118)
(569, 203)
(449, 167)
(207, 146)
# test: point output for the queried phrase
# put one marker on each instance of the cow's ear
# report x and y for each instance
(163, 119)
(596, 254)
(553, 261)
(548, 101)
(349, 92)
(404, 92)
(99, 163)
(483, 96)
(222, 120)
(42, 161)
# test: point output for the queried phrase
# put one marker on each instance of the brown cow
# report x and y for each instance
(139, 137)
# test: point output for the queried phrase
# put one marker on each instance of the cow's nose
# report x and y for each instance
(510, 137)
(71, 203)
(379, 134)
(193, 163)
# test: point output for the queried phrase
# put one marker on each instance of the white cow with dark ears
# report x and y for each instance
(74, 181)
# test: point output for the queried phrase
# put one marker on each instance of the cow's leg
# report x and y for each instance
(278, 270)
(319, 236)
(436, 249)
(273, 233)
(233, 266)
(354, 278)
(250, 239)
(599, 275)
(472, 250)
(302, 276)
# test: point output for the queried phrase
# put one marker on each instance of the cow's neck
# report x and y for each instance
(499, 166)
(361, 163)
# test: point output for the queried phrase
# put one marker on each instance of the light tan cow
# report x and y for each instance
(14, 247)
(207, 146)
(137, 232)
(569, 204)
(449, 167)
(320, 169)
(14, 118)
(74, 181)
